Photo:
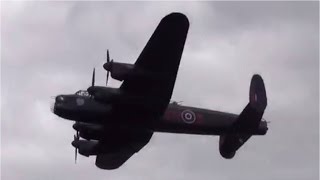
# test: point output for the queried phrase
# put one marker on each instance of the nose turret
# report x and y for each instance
(59, 99)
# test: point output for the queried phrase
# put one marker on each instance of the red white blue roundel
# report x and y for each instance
(188, 116)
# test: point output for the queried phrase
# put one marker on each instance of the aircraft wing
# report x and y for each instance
(159, 62)
(118, 147)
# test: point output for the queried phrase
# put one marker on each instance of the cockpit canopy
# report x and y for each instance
(82, 93)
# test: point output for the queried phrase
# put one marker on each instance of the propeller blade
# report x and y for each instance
(108, 57)
(75, 149)
(75, 155)
(108, 60)
(76, 139)
(107, 78)
(108, 66)
(93, 77)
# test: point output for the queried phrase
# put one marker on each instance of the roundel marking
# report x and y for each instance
(80, 101)
(188, 116)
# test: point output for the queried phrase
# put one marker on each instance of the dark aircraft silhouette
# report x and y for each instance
(115, 123)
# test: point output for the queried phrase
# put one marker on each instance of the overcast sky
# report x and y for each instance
(50, 48)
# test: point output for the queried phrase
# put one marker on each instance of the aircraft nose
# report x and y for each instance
(59, 99)
(53, 104)
(57, 104)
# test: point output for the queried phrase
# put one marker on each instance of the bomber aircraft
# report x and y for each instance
(115, 123)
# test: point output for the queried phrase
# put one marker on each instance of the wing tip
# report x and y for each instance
(177, 17)
(109, 162)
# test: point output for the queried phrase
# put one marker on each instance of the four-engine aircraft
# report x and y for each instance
(115, 123)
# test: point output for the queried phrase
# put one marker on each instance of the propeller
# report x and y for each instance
(109, 63)
(93, 77)
(108, 60)
(76, 139)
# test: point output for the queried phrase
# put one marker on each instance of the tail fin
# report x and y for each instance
(248, 122)
(257, 94)
(250, 118)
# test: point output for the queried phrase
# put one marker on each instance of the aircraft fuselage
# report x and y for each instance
(176, 118)
(191, 120)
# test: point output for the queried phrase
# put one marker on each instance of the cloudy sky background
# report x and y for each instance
(50, 48)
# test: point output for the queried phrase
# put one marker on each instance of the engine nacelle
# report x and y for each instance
(226, 148)
(119, 71)
(86, 148)
(89, 131)
(90, 135)
(122, 71)
(81, 126)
